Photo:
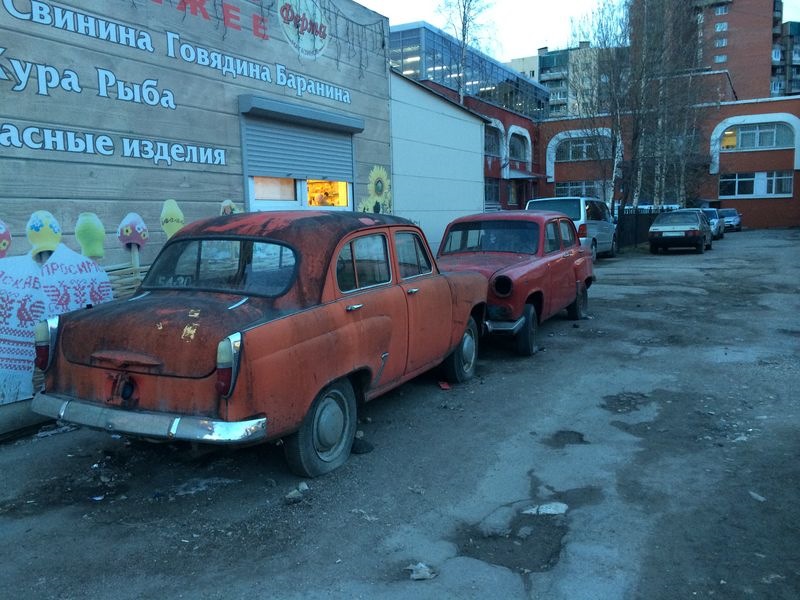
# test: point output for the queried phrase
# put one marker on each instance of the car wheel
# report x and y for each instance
(613, 252)
(710, 244)
(325, 438)
(525, 339)
(701, 247)
(653, 249)
(580, 306)
(594, 251)
(459, 366)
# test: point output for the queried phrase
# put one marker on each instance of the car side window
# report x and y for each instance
(411, 255)
(567, 233)
(364, 262)
(551, 240)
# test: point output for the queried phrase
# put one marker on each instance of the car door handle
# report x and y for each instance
(567, 254)
(412, 291)
(353, 307)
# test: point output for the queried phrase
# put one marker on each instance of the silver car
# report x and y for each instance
(716, 221)
(733, 219)
(596, 228)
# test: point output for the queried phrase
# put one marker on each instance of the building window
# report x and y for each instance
(721, 10)
(760, 184)
(590, 148)
(491, 194)
(517, 147)
(592, 189)
(721, 43)
(761, 136)
(721, 58)
(721, 26)
(491, 141)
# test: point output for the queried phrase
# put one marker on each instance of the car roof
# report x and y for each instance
(513, 215)
(291, 226)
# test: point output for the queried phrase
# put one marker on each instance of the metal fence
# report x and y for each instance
(634, 223)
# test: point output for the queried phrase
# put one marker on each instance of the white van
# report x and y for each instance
(592, 219)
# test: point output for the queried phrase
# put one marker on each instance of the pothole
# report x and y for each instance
(532, 543)
(563, 438)
(625, 402)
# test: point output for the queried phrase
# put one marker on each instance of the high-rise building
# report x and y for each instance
(738, 36)
(786, 62)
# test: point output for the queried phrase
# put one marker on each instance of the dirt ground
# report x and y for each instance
(649, 452)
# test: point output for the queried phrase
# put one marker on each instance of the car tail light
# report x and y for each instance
(582, 230)
(228, 351)
(44, 336)
(693, 232)
(502, 286)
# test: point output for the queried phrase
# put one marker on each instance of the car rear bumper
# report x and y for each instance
(167, 426)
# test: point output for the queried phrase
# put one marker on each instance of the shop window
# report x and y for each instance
(278, 189)
(327, 193)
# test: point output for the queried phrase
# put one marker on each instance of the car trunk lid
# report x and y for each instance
(158, 333)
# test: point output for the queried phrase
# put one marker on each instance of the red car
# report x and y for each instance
(535, 265)
(264, 326)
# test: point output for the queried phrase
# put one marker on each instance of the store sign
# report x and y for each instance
(305, 27)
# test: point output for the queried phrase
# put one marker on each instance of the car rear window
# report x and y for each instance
(240, 266)
(521, 237)
(569, 206)
(676, 218)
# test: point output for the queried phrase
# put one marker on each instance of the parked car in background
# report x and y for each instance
(685, 228)
(733, 219)
(535, 265)
(592, 218)
(264, 326)
(716, 222)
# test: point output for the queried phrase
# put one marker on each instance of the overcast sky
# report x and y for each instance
(516, 28)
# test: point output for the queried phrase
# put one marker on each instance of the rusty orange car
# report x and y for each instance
(264, 326)
(535, 265)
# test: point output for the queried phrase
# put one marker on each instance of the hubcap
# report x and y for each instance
(468, 350)
(330, 425)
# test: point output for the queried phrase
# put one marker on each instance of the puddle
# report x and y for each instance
(625, 402)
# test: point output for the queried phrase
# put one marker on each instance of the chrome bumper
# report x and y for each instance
(167, 426)
(511, 327)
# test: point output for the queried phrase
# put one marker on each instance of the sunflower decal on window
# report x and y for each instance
(379, 188)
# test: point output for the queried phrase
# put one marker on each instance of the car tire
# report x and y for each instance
(613, 252)
(580, 306)
(459, 366)
(710, 244)
(701, 247)
(326, 435)
(594, 251)
(525, 338)
(653, 249)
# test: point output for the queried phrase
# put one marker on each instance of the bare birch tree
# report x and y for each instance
(465, 24)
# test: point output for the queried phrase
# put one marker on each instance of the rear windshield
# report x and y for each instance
(521, 237)
(728, 212)
(239, 266)
(676, 218)
(711, 214)
(569, 206)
